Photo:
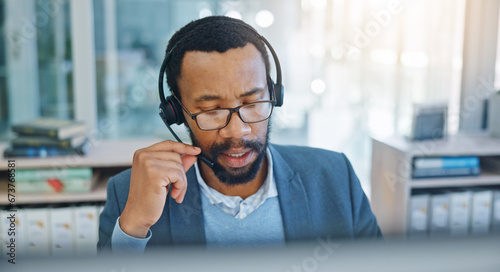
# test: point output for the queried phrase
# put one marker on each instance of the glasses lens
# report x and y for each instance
(256, 112)
(251, 113)
(213, 119)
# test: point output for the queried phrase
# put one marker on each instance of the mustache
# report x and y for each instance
(217, 148)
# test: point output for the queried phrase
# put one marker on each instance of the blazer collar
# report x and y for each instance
(293, 199)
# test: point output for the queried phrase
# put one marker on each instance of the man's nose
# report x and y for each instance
(236, 128)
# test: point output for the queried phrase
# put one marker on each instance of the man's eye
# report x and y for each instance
(210, 108)
(213, 113)
(250, 106)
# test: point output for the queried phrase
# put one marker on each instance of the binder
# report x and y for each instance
(38, 232)
(4, 238)
(495, 219)
(86, 230)
(62, 230)
(22, 240)
(440, 215)
(445, 172)
(18, 234)
(481, 212)
(419, 206)
(446, 162)
(460, 213)
(427, 167)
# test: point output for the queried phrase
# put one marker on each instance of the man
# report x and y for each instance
(256, 193)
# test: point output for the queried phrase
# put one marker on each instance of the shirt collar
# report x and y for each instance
(231, 204)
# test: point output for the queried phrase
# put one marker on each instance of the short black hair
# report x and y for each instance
(213, 33)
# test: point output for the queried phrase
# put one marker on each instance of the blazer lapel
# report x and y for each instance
(186, 219)
(293, 200)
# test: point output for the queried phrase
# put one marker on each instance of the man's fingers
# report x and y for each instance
(168, 161)
(188, 161)
(179, 188)
(176, 147)
(160, 156)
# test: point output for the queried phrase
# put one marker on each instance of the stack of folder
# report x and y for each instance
(54, 180)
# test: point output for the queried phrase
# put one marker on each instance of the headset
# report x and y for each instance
(171, 111)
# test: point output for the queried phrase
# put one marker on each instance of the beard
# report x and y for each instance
(235, 176)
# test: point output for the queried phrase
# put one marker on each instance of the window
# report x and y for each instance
(356, 68)
(352, 68)
(35, 62)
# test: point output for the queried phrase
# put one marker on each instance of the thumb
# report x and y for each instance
(188, 161)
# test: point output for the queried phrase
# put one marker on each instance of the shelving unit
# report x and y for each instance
(108, 157)
(57, 224)
(391, 176)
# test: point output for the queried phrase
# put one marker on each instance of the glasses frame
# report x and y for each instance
(231, 111)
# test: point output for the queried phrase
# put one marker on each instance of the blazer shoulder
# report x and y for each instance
(308, 155)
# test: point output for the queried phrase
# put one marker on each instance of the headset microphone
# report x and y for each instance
(171, 111)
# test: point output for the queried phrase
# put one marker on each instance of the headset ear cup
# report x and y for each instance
(278, 91)
(171, 112)
(280, 94)
(162, 114)
(270, 86)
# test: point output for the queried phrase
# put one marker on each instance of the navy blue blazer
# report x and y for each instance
(318, 192)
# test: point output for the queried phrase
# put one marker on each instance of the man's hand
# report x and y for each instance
(154, 170)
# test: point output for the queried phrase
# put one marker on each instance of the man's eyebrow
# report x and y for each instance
(207, 97)
(252, 92)
(211, 97)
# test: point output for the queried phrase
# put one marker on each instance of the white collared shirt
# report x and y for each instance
(235, 205)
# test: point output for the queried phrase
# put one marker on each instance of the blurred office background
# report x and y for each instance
(352, 68)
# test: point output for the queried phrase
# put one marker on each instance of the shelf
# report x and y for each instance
(96, 195)
(481, 180)
(102, 154)
(478, 144)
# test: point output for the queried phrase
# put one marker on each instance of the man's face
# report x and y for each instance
(227, 80)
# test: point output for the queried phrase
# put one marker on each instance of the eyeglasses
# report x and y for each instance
(216, 119)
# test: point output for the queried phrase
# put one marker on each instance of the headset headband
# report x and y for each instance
(278, 85)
